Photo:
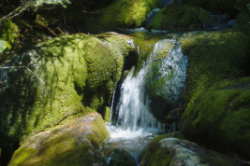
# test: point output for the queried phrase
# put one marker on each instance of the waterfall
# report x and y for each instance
(135, 125)
(134, 105)
(133, 110)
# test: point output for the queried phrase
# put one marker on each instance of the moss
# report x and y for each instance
(221, 114)
(154, 155)
(242, 22)
(120, 157)
(214, 56)
(230, 7)
(70, 144)
(179, 17)
(127, 14)
(72, 76)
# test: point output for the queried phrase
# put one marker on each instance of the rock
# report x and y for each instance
(120, 157)
(221, 115)
(171, 151)
(75, 143)
(127, 14)
(179, 17)
(66, 77)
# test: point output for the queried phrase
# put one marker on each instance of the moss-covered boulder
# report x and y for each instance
(221, 115)
(211, 106)
(75, 143)
(214, 56)
(228, 7)
(163, 150)
(243, 22)
(127, 14)
(179, 17)
(59, 79)
(120, 157)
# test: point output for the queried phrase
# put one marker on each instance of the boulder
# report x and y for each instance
(74, 143)
(172, 151)
(176, 17)
(127, 14)
(120, 157)
(221, 115)
(59, 79)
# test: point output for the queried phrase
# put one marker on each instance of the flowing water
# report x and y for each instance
(135, 125)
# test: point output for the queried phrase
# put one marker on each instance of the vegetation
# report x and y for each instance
(71, 143)
(52, 74)
(179, 17)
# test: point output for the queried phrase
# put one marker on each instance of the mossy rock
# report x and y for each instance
(228, 7)
(66, 77)
(120, 157)
(74, 143)
(243, 22)
(221, 115)
(179, 17)
(214, 56)
(165, 78)
(127, 14)
(167, 150)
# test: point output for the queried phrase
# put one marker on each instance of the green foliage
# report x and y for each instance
(179, 17)
(9, 31)
(4, 45)
(221, 114)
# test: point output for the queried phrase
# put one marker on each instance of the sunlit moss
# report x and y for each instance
(214, 56)
(70, 144)
(72, 76)
(221, 114)
(127, 14)
(179, 17)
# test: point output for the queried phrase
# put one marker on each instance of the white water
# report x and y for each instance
(136, 126)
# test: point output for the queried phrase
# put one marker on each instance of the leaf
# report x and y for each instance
(4, 45)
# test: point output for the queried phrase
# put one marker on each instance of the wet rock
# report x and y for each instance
(120, 157)
(75, 143)
(173, 151)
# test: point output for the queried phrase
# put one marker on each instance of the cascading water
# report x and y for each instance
(135, 124)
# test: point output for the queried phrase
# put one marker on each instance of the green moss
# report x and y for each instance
(154, 155)
(120, 157)
(70, 144)
(242, 22)
(228, 7)
(221, 114)
(72, 76)
(127, 14)
(214, 56)
(179, 17)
